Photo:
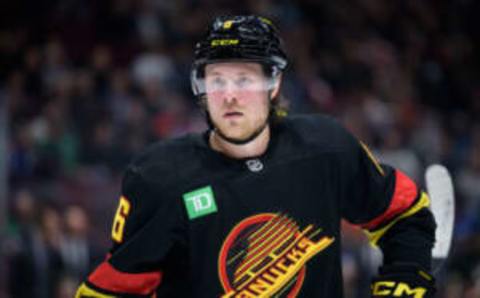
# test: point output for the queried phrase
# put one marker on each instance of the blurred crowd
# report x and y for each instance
(85, 85)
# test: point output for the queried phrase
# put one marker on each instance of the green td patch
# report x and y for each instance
(200, 202)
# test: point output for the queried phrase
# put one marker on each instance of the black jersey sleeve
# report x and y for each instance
(147, 227)
(389, 206)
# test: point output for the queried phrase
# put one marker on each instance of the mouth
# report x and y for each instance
(231, 115)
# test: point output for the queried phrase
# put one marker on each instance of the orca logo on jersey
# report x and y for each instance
(265, 255)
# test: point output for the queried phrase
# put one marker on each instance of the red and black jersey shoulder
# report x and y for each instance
(382, 200)
(148, 229)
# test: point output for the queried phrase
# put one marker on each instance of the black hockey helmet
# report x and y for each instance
(238, 38)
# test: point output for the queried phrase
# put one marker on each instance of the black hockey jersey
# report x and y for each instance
(192, 222)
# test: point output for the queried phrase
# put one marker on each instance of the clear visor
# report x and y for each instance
(237, 82)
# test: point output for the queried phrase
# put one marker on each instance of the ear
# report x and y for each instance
(276, 86)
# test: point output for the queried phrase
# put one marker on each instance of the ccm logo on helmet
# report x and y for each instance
(224, 42)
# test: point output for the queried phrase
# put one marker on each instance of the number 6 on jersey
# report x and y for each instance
(120, 218)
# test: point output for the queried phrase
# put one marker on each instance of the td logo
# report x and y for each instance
(200, 202)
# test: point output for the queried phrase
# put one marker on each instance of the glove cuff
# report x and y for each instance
(403, 280)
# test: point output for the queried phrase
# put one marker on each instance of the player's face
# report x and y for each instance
(237, 98)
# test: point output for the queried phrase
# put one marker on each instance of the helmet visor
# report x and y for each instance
(219, 82)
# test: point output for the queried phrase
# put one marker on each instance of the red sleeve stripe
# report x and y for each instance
(403, 197)
(108, 278)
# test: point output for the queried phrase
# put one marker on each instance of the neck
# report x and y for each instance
(255, 147)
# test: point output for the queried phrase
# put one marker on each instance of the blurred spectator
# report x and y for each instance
(36, 261)
(120, 97)
(56, 65)
(78, 254)
(17, 247)
(101, 63)
(153, 67)
(56, 146)
(21, 106)
(21, 156)
(87, 108)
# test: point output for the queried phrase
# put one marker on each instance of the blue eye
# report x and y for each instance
(243, 82)
(217, 83)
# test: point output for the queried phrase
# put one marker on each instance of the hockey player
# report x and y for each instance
(252, 207)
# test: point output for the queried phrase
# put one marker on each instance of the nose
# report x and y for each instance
(229, 94)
